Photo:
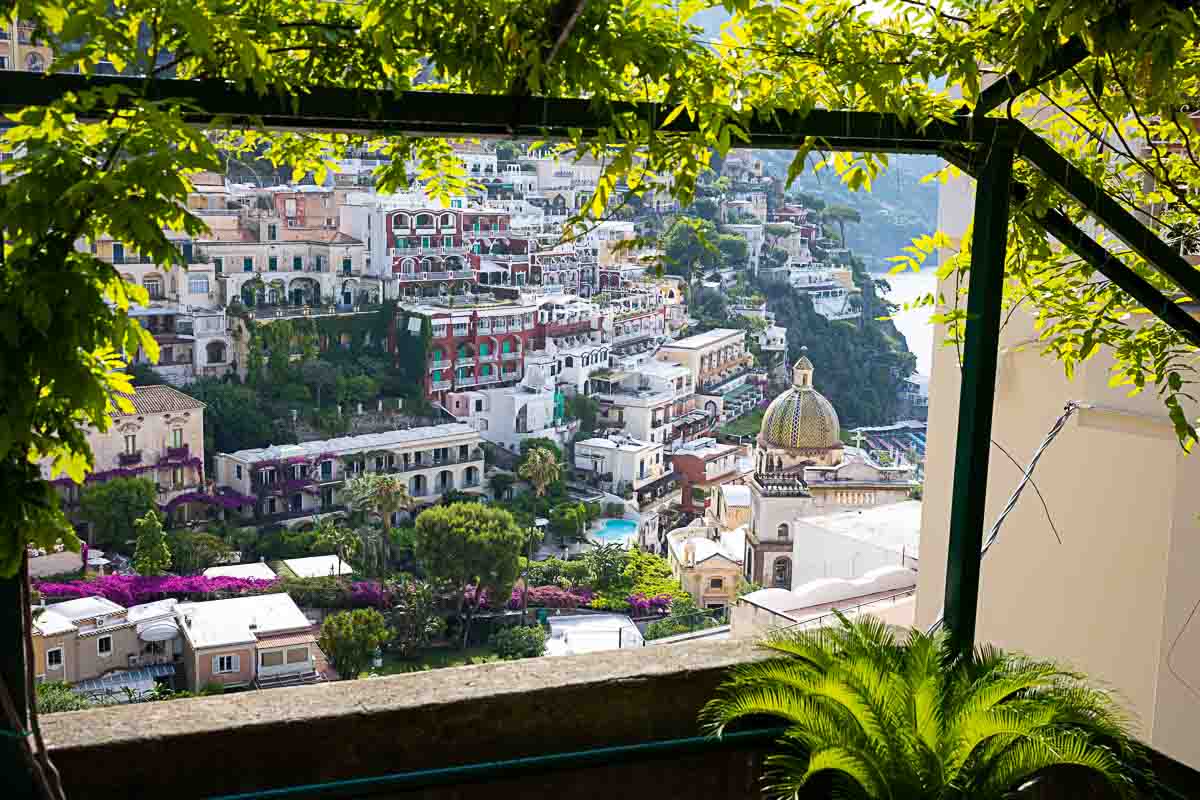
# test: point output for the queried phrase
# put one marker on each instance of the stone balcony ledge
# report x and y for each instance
(466, 715)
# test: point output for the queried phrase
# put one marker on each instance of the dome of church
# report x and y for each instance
(800, 418)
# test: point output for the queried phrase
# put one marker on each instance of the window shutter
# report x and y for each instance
(237, 663)
(216, 664)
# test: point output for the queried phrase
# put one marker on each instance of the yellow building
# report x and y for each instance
(707, 562)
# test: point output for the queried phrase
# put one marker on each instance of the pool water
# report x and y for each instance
(615, 530)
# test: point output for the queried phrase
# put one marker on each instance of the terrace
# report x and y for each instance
(559, 715)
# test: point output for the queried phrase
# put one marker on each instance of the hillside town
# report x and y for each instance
(623, 402)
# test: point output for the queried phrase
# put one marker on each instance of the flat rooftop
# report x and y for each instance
(349, 444)
(702, 340)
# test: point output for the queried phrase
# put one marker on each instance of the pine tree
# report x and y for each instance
(152, 556)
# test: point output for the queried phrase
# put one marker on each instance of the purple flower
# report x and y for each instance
(130, 590)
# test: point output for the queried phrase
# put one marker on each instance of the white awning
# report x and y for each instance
(158, 630)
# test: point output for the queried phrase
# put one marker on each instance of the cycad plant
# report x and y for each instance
(869, 715)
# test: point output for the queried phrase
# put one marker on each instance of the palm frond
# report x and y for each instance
(1030, 757)
(787, 779)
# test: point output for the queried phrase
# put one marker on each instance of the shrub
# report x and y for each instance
(55, 696)
(552, 597)
(614, 510)
(212, 688)
(519, 642)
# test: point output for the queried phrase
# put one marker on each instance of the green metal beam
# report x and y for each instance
(1060, 227)
(984, 294)
(221, 104)
(1109, 213)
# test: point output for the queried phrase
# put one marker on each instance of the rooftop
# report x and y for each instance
(625, 443)
(157, 400)
(706, 447)
(84, 608)
(257, 571)
(318, 566)
(239, 620)
(706, 339)
(349, 444)
(895, 526)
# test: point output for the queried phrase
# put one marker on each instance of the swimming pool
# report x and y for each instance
(615, 530)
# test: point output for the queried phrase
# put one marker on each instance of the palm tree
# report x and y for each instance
(379, 495)
(868, 716)
(541, 468)
(329, 532)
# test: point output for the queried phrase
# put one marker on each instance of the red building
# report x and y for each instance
(703, 464)
(482, 345)
(430, 248)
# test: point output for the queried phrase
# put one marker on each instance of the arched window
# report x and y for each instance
(782, 531)
(483, 348)
(35, 63)
(438, 354)
(424, 220)
(506, 346)
(570, 361)
(215, 352)
(781, 573)
(448, 221)
(400, 222)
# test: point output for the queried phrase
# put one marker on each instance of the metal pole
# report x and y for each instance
(988, 241)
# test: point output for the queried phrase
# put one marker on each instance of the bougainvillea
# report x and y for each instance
(552, 597)
(130, 590)
(643, 605)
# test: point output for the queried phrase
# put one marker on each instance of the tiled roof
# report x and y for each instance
(159, 399)
(285, 640)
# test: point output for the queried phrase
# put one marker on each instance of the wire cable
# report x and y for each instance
(994, 534)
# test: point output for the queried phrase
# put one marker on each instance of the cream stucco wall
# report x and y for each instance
(1112, 599)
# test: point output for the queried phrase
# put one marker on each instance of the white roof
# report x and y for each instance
(225, 622)
(730, 545)
(84, 607)
(257, 571)
(736, 494)
(628, 444)
(51, 624)
(148, 611)
(778, 600)
(318, 566)
(894, 526)
(703, 339)
(349, 444)
(590, 633)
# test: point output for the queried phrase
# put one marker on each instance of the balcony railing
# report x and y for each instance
(439, 386)
(440, 250)
(465, 381)
(178, 452)
(129, 459)
(465, 361)
(488, 379)
(485, 358)
(510, 356)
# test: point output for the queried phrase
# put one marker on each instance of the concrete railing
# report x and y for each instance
(487, 713)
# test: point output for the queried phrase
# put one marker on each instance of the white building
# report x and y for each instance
(620, 463)
(318, 567)
(648, 400)
(509, 415)
(303, 480)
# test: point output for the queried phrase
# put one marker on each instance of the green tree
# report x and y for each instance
(540, 466)
(330, 532)
(236, 417)
(469, 545)
(413, 616)
(735, 251)
(380, 495)
(705, 208)
(349, 639)
(152, 556)
(507, 151)
(839, 215)
(320, 375)
(585, 409)
(196, 551)
(604, 564)
(501, 484)
(872, 716)
(144, 375)
(113, 506)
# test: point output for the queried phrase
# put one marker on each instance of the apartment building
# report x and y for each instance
(649, 400)
(708, 563)
(161, 440)
(100, 646)
(262, 641)
(290, 482)
(507, 416)
(281, 272)
(480, 344)
(714, 358)
(621, 464)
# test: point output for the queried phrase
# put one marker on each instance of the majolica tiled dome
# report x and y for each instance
(800, 418)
